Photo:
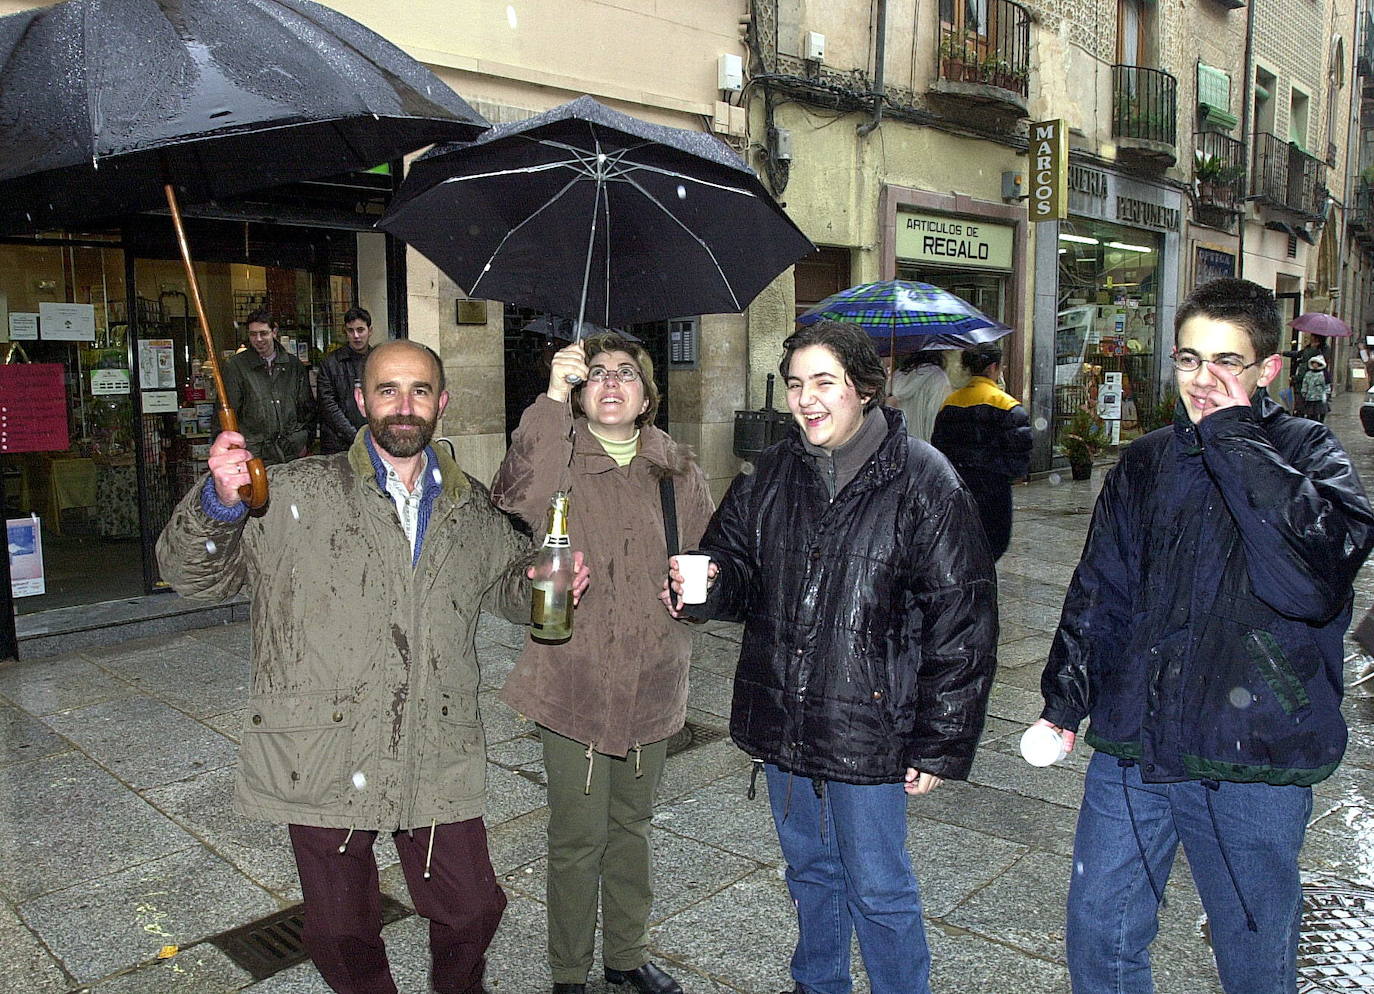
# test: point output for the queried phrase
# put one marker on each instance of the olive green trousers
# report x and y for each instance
(599, 847)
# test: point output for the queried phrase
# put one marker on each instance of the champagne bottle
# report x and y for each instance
(551, 607)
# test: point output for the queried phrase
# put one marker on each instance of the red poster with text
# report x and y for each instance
(33, 408)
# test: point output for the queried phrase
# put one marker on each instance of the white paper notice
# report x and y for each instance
(67, 322)
(159, 402)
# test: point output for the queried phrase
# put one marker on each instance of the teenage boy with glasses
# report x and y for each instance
(1202, 637)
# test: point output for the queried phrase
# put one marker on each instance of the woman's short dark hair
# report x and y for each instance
(849, 344)
(977, 359)
(612, 342)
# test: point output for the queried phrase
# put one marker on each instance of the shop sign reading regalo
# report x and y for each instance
(953, 241)
(1049, 159)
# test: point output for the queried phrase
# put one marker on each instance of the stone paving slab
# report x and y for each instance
(65, 821)
(28, 965)
(24, 737)
(118, 734)
(99, 927)
(47, 686)
(203, 806)
(201, 969)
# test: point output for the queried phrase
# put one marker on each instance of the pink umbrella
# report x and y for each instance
(1326, 325)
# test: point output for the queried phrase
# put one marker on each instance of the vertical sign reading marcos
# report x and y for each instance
(1049, 160)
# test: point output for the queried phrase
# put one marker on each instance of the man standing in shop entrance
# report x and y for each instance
(270, 391)
(367, 572)
(340, 372)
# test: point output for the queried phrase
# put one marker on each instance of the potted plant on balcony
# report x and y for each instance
(952, 58)
(1084, 436)
(1207, 174)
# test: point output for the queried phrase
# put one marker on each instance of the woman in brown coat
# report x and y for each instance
(607, 700)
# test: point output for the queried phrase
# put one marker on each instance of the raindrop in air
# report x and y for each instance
(1055, 479)
(511, 19)
(210, 547)
(1041, 424)
(295, 513)
(359, 780)
(1240, 697)
(438, 476)
(681, 192)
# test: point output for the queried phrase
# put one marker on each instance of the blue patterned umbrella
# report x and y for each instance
(903, 316)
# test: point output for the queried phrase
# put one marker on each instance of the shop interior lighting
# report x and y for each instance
(1127, 247)
(1082, 239)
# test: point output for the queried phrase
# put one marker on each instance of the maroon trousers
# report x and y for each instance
(343, 904)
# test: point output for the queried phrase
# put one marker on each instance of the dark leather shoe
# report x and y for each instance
(647, 979)
(569, 989)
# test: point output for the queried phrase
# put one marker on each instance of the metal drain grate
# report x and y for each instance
(691, 735)
(272, 944)
(1336, 943)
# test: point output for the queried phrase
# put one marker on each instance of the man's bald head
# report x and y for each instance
(376, 360)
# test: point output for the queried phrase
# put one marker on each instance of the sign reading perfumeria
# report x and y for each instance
(1049, 159)
(952, 241)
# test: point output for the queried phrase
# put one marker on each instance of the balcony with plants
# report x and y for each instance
(1288, 180)
(1218, 179)
(1144, 114)
(983, 57)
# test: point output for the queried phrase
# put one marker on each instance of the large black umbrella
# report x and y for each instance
(104, 101)
(586, 211)
(114, 106)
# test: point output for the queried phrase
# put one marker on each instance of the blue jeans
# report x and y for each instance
(848, 871)
(1246, 870)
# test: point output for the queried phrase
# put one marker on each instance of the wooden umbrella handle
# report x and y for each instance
(254, 492)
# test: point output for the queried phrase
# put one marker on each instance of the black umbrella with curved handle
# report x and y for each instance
(109, 107)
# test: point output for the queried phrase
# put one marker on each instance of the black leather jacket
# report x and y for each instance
(340, 418)
(870, 620)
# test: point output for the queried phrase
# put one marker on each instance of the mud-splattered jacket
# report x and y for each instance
(363, 708)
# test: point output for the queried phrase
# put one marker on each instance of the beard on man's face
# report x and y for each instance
(402, 444)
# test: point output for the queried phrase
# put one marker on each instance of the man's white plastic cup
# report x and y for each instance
(1042, 746)
(692, 566)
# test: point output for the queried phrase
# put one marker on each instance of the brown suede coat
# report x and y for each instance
(621, 680)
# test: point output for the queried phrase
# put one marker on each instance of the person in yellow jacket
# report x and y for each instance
(985, 432)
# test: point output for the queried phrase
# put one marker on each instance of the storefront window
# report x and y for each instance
(83, 493)
(1108, 329)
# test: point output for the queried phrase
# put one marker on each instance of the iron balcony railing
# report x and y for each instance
(1218, 170)
(1144, 104)
(1286, 176)
(1364, 60)
(1362, 215)
(985, 42)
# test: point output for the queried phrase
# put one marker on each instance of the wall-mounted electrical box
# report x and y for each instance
(813, 46)
(730, 73)
(781, 141)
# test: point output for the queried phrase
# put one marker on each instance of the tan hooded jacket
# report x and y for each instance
(621, 680)
(363, 709)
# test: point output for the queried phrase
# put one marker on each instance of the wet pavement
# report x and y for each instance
(117, 837)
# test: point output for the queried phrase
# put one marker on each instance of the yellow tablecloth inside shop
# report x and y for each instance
(70, 483)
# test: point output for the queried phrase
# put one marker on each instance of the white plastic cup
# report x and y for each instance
(692, 566)
(1042, 746)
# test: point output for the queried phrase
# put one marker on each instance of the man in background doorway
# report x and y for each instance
(340, 372)
(270, 390)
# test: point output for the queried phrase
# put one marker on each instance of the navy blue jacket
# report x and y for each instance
(870, 620)
(1202, 632)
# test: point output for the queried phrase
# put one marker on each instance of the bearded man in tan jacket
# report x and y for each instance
(367, 571)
